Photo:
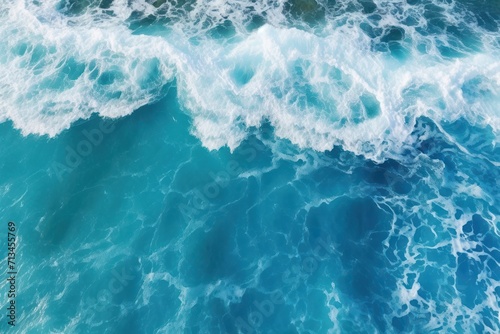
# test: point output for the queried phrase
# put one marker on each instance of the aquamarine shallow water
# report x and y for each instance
(260, 167)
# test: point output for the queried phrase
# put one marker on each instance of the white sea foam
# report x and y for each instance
(317, 89)
(53, 74)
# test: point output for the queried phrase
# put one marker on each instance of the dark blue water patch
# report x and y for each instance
(152, 25)
(388, 178)
(450, 52)
(393, 34)
(493, 266)
(404, 323)
(209, 256)
(491, 242)
(466, 37)
(169, 13)
(253, 154)
(76, 8)
(431, 279)
(329, 181)
(479, 226)
(442, 255)
(460, 39)
(433, 144)
(475, 139)
(149, 24)
(370, 30)
(487, 20)
(387, 39)
(436, 19)
(368, 6)
(445, 192)
(487, 13)
(106, 4)
(310, 12)
(398, 51)
(467, 280)
(487, 313)
(349, 224)
(222, 30)
(424, 235)
(465, 203)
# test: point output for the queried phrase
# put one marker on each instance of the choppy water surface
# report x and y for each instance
(252, 166)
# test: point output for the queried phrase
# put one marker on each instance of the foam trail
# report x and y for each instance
(348, 84)
(325, 91)
(53, 75)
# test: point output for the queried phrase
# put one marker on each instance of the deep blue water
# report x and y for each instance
(251, 166)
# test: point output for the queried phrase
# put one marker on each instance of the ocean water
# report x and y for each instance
(253, 166)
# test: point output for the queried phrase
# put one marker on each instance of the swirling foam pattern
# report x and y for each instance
(255, 166)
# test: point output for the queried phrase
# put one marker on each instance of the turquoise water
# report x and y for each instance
(252, 167)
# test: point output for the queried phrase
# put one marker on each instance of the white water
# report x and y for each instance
(317, 88)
